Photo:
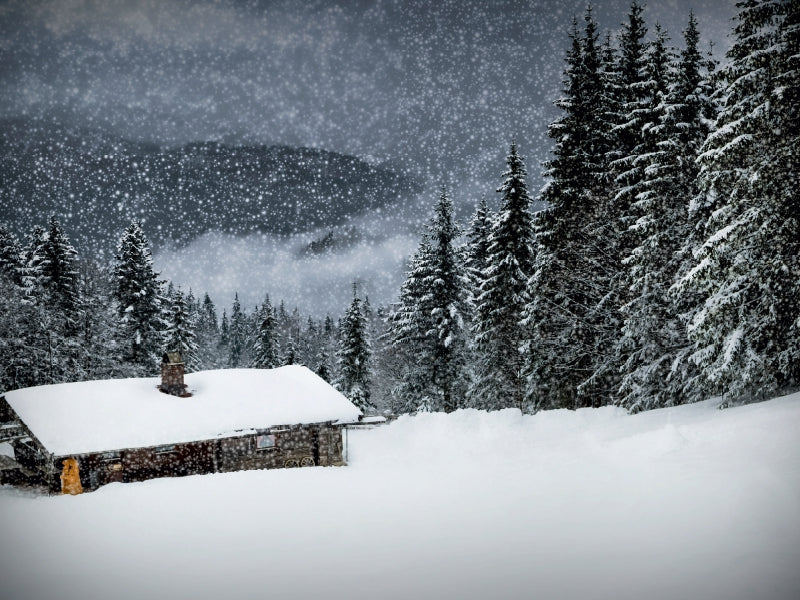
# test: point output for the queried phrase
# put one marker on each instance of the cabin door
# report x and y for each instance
(70, 477)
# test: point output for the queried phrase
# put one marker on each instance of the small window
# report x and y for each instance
(265, 442)
(106, 456)
(166, 449)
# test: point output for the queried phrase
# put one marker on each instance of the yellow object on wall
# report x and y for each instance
(70, 477)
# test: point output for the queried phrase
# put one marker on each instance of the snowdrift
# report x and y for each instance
(690, 502)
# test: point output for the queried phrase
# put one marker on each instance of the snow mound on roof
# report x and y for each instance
(90, 416)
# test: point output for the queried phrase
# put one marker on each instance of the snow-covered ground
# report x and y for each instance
(690, 502)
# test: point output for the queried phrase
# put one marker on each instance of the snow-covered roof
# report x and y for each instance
(91, 416)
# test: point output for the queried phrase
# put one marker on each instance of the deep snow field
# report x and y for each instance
(684, 503)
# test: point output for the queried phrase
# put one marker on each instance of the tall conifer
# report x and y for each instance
(574, 266)
(355, 368)
(748, 268)
(498, 329)
(139, 300)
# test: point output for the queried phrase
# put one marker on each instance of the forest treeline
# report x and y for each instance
(665, 268)
(63, 318)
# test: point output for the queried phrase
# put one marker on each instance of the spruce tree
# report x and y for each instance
(237, 335)
(10, 257)
(180, 331)
(207, 334)
(409, 325)
(32, 258)
(477, 251)
(20, 361)
(323, 365)
(630, 94)
(632, 113)
(746, 331)
(430, 322)
(98, 323)
(290, 355)
(656, 372)
(499, 333)
(632, 285)
(354, 356)
(18, 318)
(265, 351)
(575, 267)
(309, 343)
(59, 269)
(137, 291)
(223, 342)
(446, 293)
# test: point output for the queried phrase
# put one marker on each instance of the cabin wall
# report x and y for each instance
(172, 460)
(31, 463)
(293, 446)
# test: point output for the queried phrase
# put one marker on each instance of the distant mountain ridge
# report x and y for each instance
(96, 184)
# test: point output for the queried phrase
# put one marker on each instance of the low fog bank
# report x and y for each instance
(317, 284)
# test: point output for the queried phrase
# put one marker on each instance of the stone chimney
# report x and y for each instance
(172, 374)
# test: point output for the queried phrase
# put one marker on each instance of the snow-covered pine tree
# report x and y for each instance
(10, 256)
(632, 102)
(265, 349)
(498, 329)
(237, 335)
(49, 347)
(447, 297)
(98, 323)
(383, 359)
(630, 94)
(409, 323)
(746, 333)
(137, 291)
(20, 362)
(208, 334)
(654, 337)
(180, 331)
(632, 286)
(324, 365)
(207, 319)
(431, 320)
(32, 257)
(59, 277)
(354, 357)
(574, 266)
(17, 315)
(477, 250)
(223, 341)
(290, 355)
(327, 345)
(309, 342)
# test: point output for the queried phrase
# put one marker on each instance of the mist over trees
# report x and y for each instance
(664, 268)
(65, 318)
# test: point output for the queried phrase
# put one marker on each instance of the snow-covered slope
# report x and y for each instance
(689, 502)
(113, 414)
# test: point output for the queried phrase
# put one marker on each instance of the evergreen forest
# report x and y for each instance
(663, 269)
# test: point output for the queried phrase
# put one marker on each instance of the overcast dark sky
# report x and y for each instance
(440, 87)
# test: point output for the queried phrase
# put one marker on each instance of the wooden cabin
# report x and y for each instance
(74, 437)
